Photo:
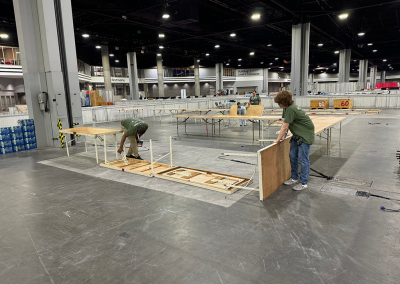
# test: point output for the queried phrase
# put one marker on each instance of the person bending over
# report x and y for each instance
(242, 111)
(300, 124)
(133, 129)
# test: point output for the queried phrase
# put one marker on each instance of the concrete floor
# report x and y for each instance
(67, 220)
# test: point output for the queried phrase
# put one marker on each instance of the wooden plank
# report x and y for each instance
(139, 167)
(90, 131)
(274, 167)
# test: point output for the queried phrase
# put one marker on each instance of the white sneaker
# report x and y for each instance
(300, 187)
(291, 181)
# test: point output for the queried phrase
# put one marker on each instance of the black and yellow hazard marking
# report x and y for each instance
(61, 136)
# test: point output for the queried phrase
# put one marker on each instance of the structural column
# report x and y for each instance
(300, 57)
(383, 76)
(373, 74)
(265, 80)
(196, 78)
(160, 77)
(105, 58)
(219, 75)
(362, 74)
(133, 76)
(49, 64)
(344, 65)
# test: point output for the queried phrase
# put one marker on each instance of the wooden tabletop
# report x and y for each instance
(90, 131)
(227, 116)
(193, 109)
(321, 123)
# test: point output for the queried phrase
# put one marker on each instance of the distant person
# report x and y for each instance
(133, 129)
(242, 111)
(300, 124)
(140, 97)
(255, 99)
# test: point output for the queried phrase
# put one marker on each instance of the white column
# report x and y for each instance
(300, 58)
(133, 75)
(196, 78)
(344, 65)
(373, 73)
(265, 80)
(383, 76)
(160, 76)
(105, 58)
(362, 74)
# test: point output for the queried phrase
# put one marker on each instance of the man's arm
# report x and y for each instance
(282, 133)
(121, 147)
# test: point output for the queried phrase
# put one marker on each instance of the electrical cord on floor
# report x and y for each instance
(237, 161)
(321, 175)
(389, 210)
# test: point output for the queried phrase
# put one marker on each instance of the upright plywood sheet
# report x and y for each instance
(274, 167)
(255, 110)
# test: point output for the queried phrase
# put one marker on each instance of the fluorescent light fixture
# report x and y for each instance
(217, 46)
(85, 35)
(256, 16)
(320, 44)
(240, 59)
(336, 51)
(158, 54)
(207, 54)
(276, 58)
(384, 59)
(3, 35)
(251, 53)
(375, 50)
(343, 16)
(98, 46)
(111, 55)
(165, 16)
(269, 44)
(117, 61)
(161, 47)
(361, 34)
(370, 43)
(161, 35)
(232, 34)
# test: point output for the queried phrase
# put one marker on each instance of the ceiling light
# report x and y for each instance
(374, 50)
(361, 34)
(111, 55)
(117, 60)
(161, 47)
(98, 46)
(3, 35)
(165, 16)
(251, 53)
(269, 44)
(207, 54)
(388, 64)
(322, 71)
(239, 65)
(269, 68)
(227, 64)
(334, 63)
(384, 59)
(85, 35)
(281, 67)
(161, 35)
(217, 46)
(270, 64)
(240, 59)
(370, 43)
(355, 60)
(320, 44)
(262, 62)
(327, 68)
(336, 51)
(334, 69)
(256, 16)
(276, 58)
(158, 54)
(232, 34)
(198, 60)
(343, 16)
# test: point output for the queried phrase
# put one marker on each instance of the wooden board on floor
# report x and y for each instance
(274, 167)
(204, 179)
(139, 167)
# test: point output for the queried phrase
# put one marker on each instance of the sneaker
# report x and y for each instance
(241, 125)
(291, 181)
(137, 158)
(300, 186)
(131, 156)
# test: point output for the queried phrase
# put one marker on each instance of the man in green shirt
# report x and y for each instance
(300, 124)
(133, 129)
(255, 99)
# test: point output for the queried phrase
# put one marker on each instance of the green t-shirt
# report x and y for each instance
(255, 100)
(300, 123)
(132, 124)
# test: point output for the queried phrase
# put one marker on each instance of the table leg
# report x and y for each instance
(95, 146)
(253, 129)
(154, 115)
(219, 127)
(105, 150)
(185, 127)
(340, 135)
(327, 141)
(116, 146)
(85, 145)
(212, 127)
(207, 126)
(66, 143)
(177, 124)
(259, 129)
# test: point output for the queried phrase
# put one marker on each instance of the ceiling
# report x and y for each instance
(196, 26)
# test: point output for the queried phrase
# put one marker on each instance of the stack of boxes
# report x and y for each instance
(18, 138)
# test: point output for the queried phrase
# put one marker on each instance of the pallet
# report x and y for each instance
(318, 108)
(343, 103)
(319, 104)
(135, 166)
(204, 179)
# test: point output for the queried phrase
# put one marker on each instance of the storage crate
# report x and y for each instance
(343, 103)
(319, 104)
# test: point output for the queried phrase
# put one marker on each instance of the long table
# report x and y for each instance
(218, 118)
(96, 133)
(176, 111)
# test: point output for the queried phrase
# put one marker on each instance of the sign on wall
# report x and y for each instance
(249, 72)
(120, 80)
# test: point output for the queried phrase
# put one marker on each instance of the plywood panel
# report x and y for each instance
(135, 166)
(255, 110)
(274, 167)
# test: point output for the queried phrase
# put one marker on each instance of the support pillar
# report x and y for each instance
(87, 86)
(344, 65)
(383, 76)
(146, 90)
(124, 94)
(219, 75)
(373, 73)
(300, 57)
(160, 77)
(133, 76)
(48, 54)
(362, 74)
(265, 80)
(105, 58)
(196, 78)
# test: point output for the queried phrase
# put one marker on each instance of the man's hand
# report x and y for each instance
(120, 150)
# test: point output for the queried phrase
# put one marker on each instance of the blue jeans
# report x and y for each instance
(300, 154)
(242, 111)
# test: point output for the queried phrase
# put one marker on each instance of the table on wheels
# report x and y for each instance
(96, 133)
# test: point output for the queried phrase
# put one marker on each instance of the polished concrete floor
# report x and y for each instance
(67, 220)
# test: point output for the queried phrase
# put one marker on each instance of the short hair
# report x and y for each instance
(238, 103)
(141, 129)
(284, 98)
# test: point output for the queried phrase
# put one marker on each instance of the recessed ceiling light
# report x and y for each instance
(334, 63)
(322, 71)
(85, 35)
(327, 68)
(336, 51)
(256, 16)
(281, 67)
(270, 64)
(3, 35)
(388, 64)
(165, 16)
(370, 43)
(262, 62)
(269, 68)
(232, 34)
(276, 58)
(161, 35)
(355, 60)
(198, 60)
(320, 44)
(158, 54)
(117, 61)
(270, 44)
(374, 50)
(217, 46)
(239, 65)
(207, 54)
(318, 66)
(161, 47)
(111, 55)
(98, 46)
(343, 16)
(227, 64)
(240, 59)
(384, 59)
(361, 34)
(251, 53)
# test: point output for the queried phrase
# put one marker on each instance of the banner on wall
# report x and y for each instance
(249, 72)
